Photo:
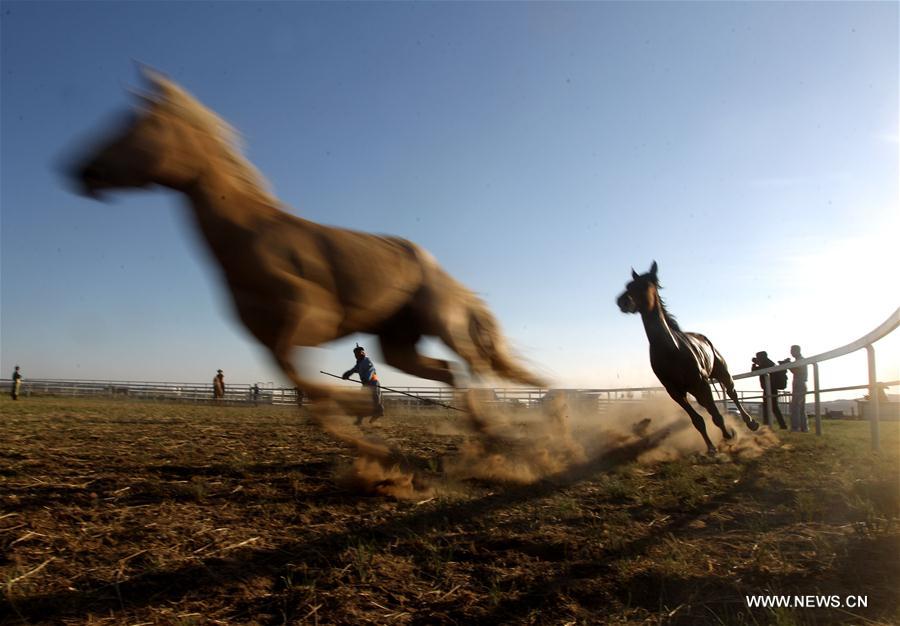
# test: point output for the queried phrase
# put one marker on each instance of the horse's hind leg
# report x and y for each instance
(485, 336)
(751, 423)
(696, 418)
(727, 382)
(400, 352)
(311, 326)
(475, 338)
(704, 396)
(458, 340)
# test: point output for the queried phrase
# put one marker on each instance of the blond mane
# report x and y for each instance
(174, 100)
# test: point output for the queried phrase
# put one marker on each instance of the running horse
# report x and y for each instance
(293, 282)
(684, 362)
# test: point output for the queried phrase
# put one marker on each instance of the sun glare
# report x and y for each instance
(847, 289)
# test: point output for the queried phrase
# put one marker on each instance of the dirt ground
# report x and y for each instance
(127, 512)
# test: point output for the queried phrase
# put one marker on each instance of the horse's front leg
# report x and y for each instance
(281, 323)
(696, 418)
(704, 396)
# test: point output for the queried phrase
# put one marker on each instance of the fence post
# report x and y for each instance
(768, 413)
(816, 396)
(873, 397)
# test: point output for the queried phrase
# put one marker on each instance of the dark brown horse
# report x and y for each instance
(684, 362)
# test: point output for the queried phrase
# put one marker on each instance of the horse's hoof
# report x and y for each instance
(753, 425)
(711, 452)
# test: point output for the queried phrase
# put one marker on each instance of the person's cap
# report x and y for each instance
(219, 371)
(762, 354)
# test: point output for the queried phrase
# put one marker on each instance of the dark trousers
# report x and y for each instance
(776, 410)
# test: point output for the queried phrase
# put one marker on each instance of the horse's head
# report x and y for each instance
(641, 294)
(153, 146)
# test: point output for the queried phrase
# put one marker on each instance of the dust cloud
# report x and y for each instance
(376, 469)
(520, 446)
(524, 446)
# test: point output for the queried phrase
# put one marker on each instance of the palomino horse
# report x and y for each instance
(295, 283)
(683, 362)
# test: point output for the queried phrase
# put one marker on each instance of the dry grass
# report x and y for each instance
(120, 512)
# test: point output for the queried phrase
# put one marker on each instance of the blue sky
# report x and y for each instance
(538, 150)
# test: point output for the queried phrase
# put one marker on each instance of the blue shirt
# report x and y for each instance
(365, 369)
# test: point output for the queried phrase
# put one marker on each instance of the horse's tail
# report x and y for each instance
(491, 345)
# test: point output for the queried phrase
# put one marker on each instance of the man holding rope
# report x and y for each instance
(369, 378)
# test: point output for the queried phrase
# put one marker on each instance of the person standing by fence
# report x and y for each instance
(368, 378)
(16, 384)
(762, 361)
(219, 386)
(799, 421)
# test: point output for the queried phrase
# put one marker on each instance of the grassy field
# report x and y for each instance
(117, 512)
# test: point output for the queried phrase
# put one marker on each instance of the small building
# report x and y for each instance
(887, 409)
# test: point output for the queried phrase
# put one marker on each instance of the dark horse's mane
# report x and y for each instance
(670, 319)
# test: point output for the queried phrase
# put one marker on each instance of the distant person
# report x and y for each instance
(16, 384)
(254, 392)
(762, 361)
(219, 385)
(368, 378)
(799, 422)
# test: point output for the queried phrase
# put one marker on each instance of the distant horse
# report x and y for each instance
(683, 362)
(294, 282)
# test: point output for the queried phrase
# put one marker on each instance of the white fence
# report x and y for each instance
(266, 394)
(594, 399)
(185, 392)
(874, 387)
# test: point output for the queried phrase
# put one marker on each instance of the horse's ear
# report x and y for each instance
(634, 274)
(653, 269)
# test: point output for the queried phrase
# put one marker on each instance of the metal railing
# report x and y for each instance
(598, 399)
(875, 388)
(243, 393)
(184, 392)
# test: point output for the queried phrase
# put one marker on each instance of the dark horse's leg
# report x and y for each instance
(720, 373)
(705, 397)
(696, 418)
